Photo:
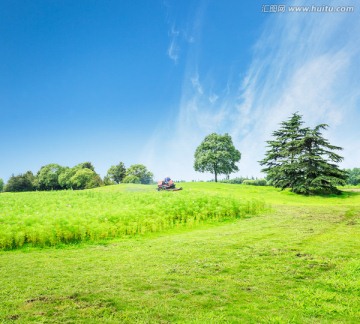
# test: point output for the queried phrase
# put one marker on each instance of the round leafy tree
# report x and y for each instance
(217, 154)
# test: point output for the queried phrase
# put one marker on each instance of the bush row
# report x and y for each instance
(246, 181)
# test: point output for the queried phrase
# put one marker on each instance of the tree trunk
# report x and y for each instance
(215, 176)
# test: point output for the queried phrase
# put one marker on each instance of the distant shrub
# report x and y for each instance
(246, 181)
(257, 182)
(238, 180)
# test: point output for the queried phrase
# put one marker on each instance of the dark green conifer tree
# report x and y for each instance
(318, 162)
(301, 159)
(281, 165)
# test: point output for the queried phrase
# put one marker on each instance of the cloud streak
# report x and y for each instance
(174, 48)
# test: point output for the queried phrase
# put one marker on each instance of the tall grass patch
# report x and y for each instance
(52, 218)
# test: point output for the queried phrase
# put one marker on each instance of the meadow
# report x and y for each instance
(267, 256)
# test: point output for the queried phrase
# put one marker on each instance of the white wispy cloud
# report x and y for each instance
(302, 62)
(173, 51)
(174, 48)
(213, 98)
(196, 84)
(182, 33)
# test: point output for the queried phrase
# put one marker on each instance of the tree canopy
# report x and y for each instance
(85, 165)
(300, 158)
(65, 177)
(217, 154)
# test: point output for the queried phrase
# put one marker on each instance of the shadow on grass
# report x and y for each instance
(344, 193)
(347, 193)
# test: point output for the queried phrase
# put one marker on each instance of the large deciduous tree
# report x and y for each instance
(217, 154)
(302, 159)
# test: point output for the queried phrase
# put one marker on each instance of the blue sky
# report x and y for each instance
(146, 81)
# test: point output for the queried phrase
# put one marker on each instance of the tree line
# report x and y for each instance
(298, 157)
(82, 176)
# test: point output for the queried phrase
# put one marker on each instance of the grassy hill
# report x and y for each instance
(297, 260)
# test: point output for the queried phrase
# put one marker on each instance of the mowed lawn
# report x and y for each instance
(296, 262)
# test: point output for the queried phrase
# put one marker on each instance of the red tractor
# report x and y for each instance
(167, 184)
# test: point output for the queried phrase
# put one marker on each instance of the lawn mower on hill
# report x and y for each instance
(167, 184)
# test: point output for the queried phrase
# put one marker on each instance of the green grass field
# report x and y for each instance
(212, 253)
